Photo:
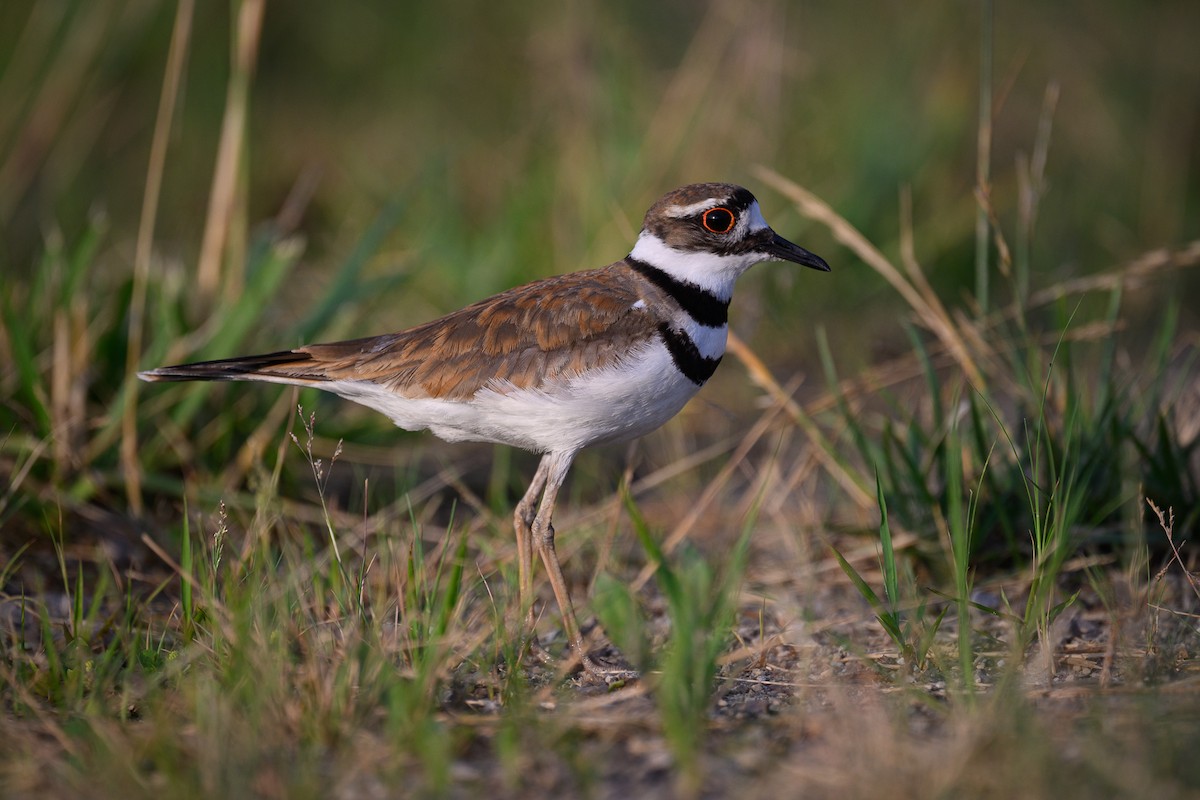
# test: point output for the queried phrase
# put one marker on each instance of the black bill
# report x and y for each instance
(784, 250)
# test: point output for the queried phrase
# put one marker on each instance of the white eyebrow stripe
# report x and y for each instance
(679, 212)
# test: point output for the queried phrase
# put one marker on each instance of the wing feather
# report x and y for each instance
(549, 330)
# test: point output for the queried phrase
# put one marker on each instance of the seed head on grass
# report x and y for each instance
(319, 475)
(219, 535)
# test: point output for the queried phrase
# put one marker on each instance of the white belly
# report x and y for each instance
(609, 405)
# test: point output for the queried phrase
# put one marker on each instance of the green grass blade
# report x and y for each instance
(891, 581)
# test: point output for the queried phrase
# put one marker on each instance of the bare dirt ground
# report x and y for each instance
(811, 698)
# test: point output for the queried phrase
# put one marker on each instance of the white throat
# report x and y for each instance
(710, 271)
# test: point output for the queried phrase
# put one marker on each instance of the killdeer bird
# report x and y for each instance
(602, 355)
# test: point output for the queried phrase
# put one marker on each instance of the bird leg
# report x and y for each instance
(536, 532)
(542, 531)
(523, 518)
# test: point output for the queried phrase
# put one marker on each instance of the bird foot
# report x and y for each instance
(534, 648)
(608, 668)
(605, 666)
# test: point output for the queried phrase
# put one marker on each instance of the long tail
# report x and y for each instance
(286, 366)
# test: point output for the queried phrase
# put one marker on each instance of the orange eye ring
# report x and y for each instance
(718, 220)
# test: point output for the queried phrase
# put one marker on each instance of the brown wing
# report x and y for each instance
(551, 329)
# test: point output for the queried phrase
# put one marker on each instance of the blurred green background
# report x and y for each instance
(529, 137)
(493, 143)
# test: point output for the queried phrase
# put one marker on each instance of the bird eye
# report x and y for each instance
(718, 220)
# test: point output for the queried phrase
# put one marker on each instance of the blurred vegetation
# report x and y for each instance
(395, 162)
(491, 144)
(530, 137)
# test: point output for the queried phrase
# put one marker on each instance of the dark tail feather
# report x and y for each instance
(290, 366)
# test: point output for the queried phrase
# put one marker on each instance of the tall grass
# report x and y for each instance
(259, 662)
(700, 606)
